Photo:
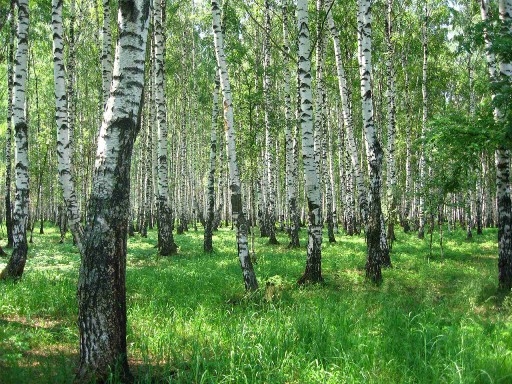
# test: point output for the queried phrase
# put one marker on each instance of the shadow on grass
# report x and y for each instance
(26, 359)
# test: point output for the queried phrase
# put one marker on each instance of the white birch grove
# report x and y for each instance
(374, 151)
(63, 133)
(102, 277)
(166, 244)
(234, 177)
(313, 271)
(290, 139)
(16, 265)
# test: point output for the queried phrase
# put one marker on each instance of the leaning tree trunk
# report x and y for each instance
(166, 244)
(210, 213)
(16, 264)
(102, 278)
(373, 149)
(8, 131)
(290, 140)
(234, 178)
(313, 272)
(63, 132)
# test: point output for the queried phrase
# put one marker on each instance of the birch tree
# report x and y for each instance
(166, 244)
(313, 272)
(16, 265)
(210, 198)
(374, 151)
(290, 139)
(63, 133)
(102, 276)
(234, 177)
(347, 116)
(8, 131)
(269, 137)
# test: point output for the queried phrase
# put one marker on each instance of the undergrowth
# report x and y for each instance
(434, 319)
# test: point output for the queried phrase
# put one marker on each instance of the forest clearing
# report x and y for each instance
(434, 319)
(180, 143)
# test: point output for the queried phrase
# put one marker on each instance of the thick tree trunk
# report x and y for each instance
(313, 272)
(234, 178)
(102, 278)
(16, 264)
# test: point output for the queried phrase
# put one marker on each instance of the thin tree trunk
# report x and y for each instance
(347, 117)
(290, 140)
(63, 132)
(313, 272)
(422, 161)
(234, 178)
(208, 230)
(16, 264)
(102, 277)
(373, 149)
(8, 132)
(166, 244)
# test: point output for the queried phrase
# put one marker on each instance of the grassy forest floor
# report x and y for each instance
(433, 320)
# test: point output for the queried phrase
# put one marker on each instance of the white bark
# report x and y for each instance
(101, 283)
(234, 177)
(16, 265)
(347, 117)
(313, 272)
(375, 256)
(106, 51)
(166, 245)
(63, 132)
(290, 139)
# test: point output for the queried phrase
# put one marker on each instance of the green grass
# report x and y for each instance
(432, 320)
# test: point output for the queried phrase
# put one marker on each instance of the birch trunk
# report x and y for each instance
(503, 171)
(291, 141)
(102, 277)
(422, 161)
(313, 272)
(62, 118)
(373, 149)
(234, 178)
(347, 117)
(166, 244)
(16, 265)
(208, 230)
(269, 136)
(391, 109)
(8, 132)
(106, 51)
